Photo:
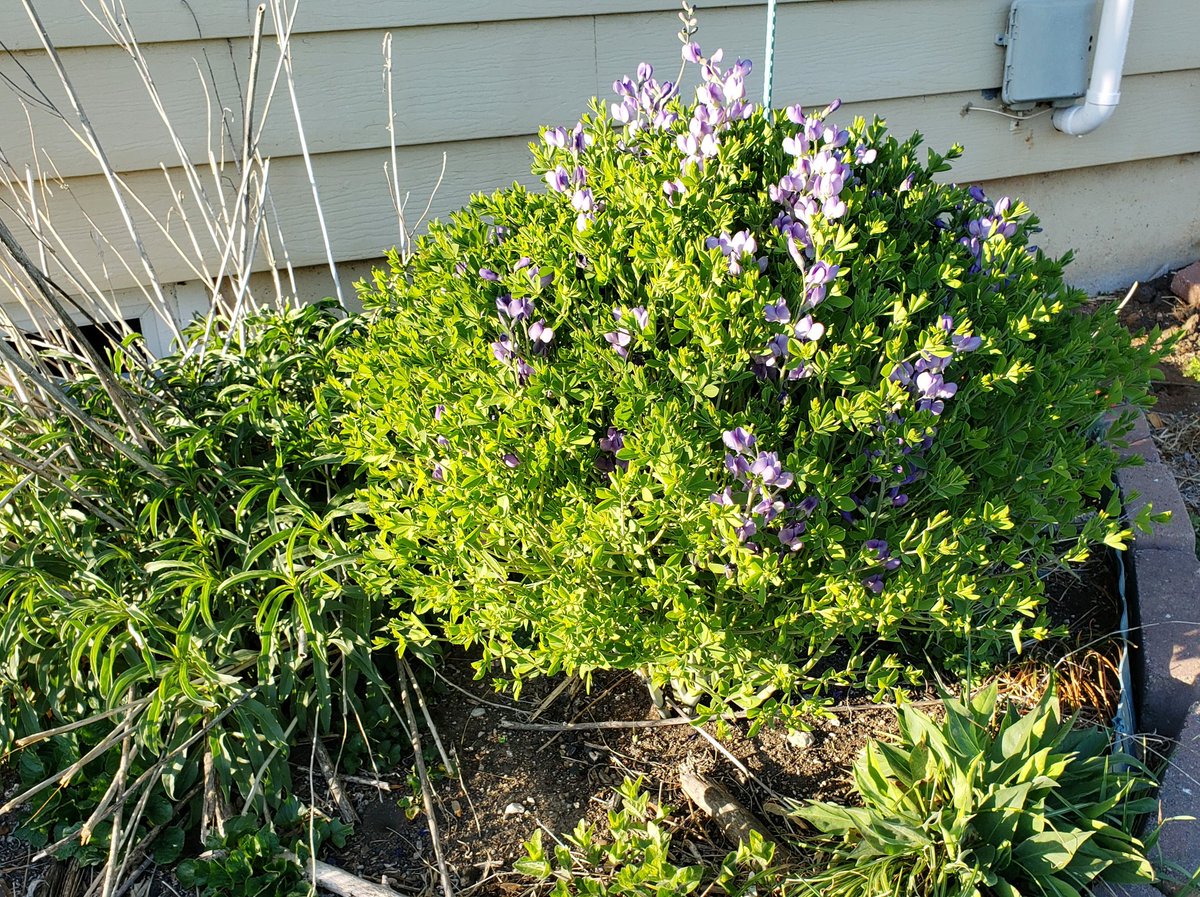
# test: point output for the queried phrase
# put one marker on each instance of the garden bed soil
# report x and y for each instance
(558, 777)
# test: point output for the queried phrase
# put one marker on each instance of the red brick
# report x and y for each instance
(1186, 284)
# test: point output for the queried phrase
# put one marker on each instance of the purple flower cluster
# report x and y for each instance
(926, 379)
(620, 338)
(608, 461)
(761, 501)
(773, 363)
(643, 103)
(721, 99)
(880, 554)
(735, 248)
(574, 181)
(990, 227)
(822, 169)
(520, 334)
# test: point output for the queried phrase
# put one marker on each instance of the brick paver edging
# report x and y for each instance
(1164, 593)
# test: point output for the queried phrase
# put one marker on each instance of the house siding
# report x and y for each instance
(474, 80)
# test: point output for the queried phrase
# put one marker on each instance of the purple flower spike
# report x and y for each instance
(768, 469)
(778, 312)
(977, 194)
(619, 340)
(524, 371)
(789, 536)
(614, 441)
(808, 330)
(556, 137)
(691, 52)
(558, 180)
(488, 274)
(641, 316)
(439, 474)
(899, 499)
(502, 349)
(891, 564)
(966, 343)
(808, 505)
(738, 440)
(724, 498)
(438, 411)
(510, 460)
(874, 583)
(645, 71)
(738, 466)
(540, 335)
(879, 546)
(517, 309)
(946, 323)
(747, 529)
(443, 442)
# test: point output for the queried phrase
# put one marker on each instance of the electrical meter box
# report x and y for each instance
(1047, 48)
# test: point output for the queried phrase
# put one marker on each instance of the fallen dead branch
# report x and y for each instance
(732, 818)
(339, 881)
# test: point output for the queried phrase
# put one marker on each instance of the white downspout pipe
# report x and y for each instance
(1104, 88)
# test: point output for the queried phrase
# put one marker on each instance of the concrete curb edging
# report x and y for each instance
(1164, 587)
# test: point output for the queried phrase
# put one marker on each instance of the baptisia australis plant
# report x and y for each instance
(744, 398)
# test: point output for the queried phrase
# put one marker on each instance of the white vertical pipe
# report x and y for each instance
(1108, 61)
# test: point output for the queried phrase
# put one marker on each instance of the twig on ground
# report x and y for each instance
(612, 724)
(447, 761)
(426, 787)
(551, 698)
(345, 808)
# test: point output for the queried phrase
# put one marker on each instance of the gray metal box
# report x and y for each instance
(1048, 44)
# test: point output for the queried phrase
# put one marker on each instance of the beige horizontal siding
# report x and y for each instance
(362, 224)
(358, 209)
(176, 20)
(474, 80)
(462, 82)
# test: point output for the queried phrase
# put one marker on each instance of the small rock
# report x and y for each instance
(477, 712)
(456, 807)
(1186, 284)
(1191, 323)
(801, 741)
(514, 809)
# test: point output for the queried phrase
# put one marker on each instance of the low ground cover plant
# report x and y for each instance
(743, 398)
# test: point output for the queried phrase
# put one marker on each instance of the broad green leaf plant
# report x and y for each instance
(983, 803)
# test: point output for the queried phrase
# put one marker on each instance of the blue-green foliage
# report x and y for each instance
(983, 803)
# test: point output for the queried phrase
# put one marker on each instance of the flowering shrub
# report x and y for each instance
(743, 398)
